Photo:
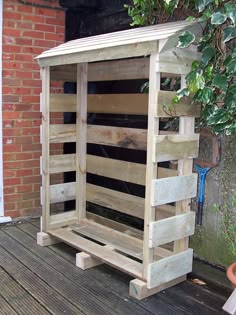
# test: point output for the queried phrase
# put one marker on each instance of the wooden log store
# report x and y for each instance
(157, 256)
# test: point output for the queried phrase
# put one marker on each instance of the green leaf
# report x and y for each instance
(218, 18)
(200, 5)
(183, 92)
(185, 39)
(204, 96)
(220, 116)
(195, 65)
(230, 98)
(208, 111)
(230, 9)
(207, 54)
(229, 33)
(220, 81)
(231, 66)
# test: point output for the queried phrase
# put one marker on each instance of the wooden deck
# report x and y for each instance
(37, 280)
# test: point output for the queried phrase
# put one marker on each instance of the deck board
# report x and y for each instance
(49, 276)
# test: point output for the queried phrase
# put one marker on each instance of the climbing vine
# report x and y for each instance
(212, 80)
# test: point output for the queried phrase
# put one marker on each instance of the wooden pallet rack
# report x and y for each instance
(166, 206)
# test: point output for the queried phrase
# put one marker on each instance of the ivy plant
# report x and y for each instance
(212, 80)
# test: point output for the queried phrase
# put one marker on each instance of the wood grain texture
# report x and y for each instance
(169, 268)
(101, 252)
(167, 190)
(171, 229)
(175, 147)
(183, 108)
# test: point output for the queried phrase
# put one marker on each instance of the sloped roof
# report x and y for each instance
(132, 38)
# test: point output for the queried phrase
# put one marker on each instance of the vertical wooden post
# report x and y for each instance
(151, 167)
(45, 103)
(81, 140)
(187, 127)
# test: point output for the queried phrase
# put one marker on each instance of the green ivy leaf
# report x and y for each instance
(220, 81)
(230, 9)
(230, 98)
(218, 18)
(229, 33)
(207, 54)
(208, 111)
(183, 92)
(195, 65)
(201, 4)
(220, 116)
(231, 66)
(185, 39)
(204, 96)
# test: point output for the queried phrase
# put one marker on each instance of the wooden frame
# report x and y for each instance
(157, 257)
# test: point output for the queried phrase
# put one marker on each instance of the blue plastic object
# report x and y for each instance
(201, 190)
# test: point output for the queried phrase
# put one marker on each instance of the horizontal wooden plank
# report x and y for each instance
(167, 190)
(62, 219)
(116, 200)
(101, 252)
(62, 163)
(127, 69)
(169, 268)
(171, 229)
(176, 147)
(130, 104)
(166, 108)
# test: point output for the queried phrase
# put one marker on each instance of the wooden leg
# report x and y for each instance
(85, 261)
(138, 289)
(230, 305)
(44, 239)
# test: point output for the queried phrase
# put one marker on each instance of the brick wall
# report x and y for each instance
(27, 31)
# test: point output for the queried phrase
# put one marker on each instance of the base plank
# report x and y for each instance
(138, 288)
(44, 239)
(85, 261)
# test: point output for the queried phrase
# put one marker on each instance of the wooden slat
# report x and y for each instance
(81, 140)
(113, 136)
(45, 106)
(101, 252)
(175, 147)
(167, 190)
(126, 51)
(107, 236)
(62, 219)
(151, 168)
(62, 192)
(121, 170)
(115, 200)
(136, 68)
(183, 108)
(171, 229)
(62, 163)
(169, 268)
(133, 104)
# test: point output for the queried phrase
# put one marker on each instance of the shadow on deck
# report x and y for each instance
(37, 280)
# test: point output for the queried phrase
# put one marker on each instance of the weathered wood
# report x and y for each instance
(167, 109)
(122, 170)
(136, 68)
(171, 229)
(85, 261)
(138, 288)
(45, 106)
(63, 219)
(106, 255)
(115, 200)
(230, 305)
(151, 169)
(167, 190)
(175, 147)
(169, 268)
(44, 239)
(6, 309)
(81, 140)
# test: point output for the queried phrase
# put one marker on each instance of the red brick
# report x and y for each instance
(24, 74)
(11, 65)
(12, 181)
(7, 90)
(31, 115)
(31, 179)
(8, 40)
(24, 156)
(24, 25)
(23, 91)
(10, 210)
(30, 196)
(45, 12)
(33, 163)
(6, 56)
(11, 148)
(8, 156)
(8, 190)
(33, 18)
(46, 28)
(22, 123)
(23, 139)
(9, 23)
(10, 132)
(24, 188)
(24, 57)
(24, 204)
(32, 83)
(32, 50)
(31, 65)
(8, 173)
(23, 107)
(24, 172)
(9, 7)
(8, 107)
(11, 82)
(11, 15)
(13, 165)
(54, 36)
(12, 197)
(24, 41)
(11, 31)
(25, 9)
(11, 48)
(31, 147)
(10, 115)
(44, 43)
(33, 34)
(31, 131)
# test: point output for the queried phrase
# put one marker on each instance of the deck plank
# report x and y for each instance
(18, 297)
(5, 308)
(185, 298)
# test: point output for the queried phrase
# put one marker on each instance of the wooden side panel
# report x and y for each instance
(169, 268)
(170, 229)
(127, 69)
(62, 219)
(62, 192)
(175, 147)
(62, 163)
(115, 200)
(167, 190)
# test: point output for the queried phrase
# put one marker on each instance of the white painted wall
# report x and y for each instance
(2, 218)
